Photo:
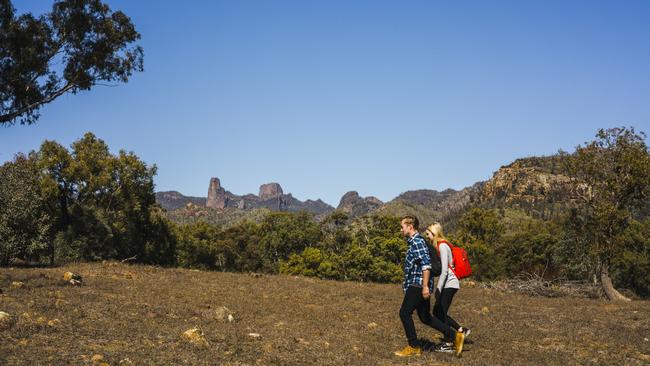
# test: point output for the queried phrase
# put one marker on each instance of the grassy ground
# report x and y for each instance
(139, 313)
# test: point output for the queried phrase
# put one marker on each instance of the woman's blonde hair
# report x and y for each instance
(436, 231)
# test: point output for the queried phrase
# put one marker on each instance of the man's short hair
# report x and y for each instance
(411, 220)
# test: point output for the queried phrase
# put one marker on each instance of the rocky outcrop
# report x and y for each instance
(354, 205)
(270, 190)
(460, 200)
(525, 185)
(426, 197)
(216, 194)
(173, 200)
(277, 203)
(348, 200)
(432, 205)
(271, 196)
(538, 185)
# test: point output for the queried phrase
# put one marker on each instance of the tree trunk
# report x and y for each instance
(608, 287)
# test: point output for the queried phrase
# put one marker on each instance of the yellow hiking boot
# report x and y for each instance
(458, 343)
(409, 351)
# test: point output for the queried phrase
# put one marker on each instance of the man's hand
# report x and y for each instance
(426, 294)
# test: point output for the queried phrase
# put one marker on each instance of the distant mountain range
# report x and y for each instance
(270, 197)
(537, 185)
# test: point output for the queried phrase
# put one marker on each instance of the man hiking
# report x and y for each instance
(417, 286)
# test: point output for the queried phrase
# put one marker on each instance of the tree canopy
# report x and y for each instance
(79, 44)
(615, 168)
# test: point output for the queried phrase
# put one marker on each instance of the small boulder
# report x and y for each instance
(195, 336)
(223, 314)
(255, 335)
(72, 278)
(54, 323)
(6, 320)
(99, 360)
(17, 284)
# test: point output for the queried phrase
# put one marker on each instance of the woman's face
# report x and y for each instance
(429, 235)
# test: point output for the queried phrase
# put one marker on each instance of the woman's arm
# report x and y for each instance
(444, 262)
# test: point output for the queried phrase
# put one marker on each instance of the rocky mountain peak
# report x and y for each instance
(349, 198)
(270, 190)
(355, 205)
(216, 194)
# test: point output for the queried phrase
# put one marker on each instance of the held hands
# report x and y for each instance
(425, 292)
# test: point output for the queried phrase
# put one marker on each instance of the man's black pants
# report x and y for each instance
(413, 301)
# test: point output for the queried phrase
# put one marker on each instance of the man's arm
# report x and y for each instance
(423, 255)
(426, 292)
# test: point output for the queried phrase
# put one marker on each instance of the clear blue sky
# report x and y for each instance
(379, 97)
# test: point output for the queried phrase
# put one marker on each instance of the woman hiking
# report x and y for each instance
(447, 286)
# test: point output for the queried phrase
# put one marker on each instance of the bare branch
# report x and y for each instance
(129, 259)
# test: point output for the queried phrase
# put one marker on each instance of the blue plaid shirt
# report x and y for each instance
(417, 260)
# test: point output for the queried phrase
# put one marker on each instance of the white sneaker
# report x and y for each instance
(444, 347)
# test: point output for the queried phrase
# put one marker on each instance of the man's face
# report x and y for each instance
(407, 229)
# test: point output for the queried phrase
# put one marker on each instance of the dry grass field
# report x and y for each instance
(136, 315)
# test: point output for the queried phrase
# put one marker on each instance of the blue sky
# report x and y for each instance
(375, 96)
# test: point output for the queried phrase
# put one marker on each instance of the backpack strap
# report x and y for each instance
(451, 268)
(443, 241)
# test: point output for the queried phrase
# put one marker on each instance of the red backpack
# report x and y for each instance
(461, 266)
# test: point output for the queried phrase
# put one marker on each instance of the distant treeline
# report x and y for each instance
(85, 204)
